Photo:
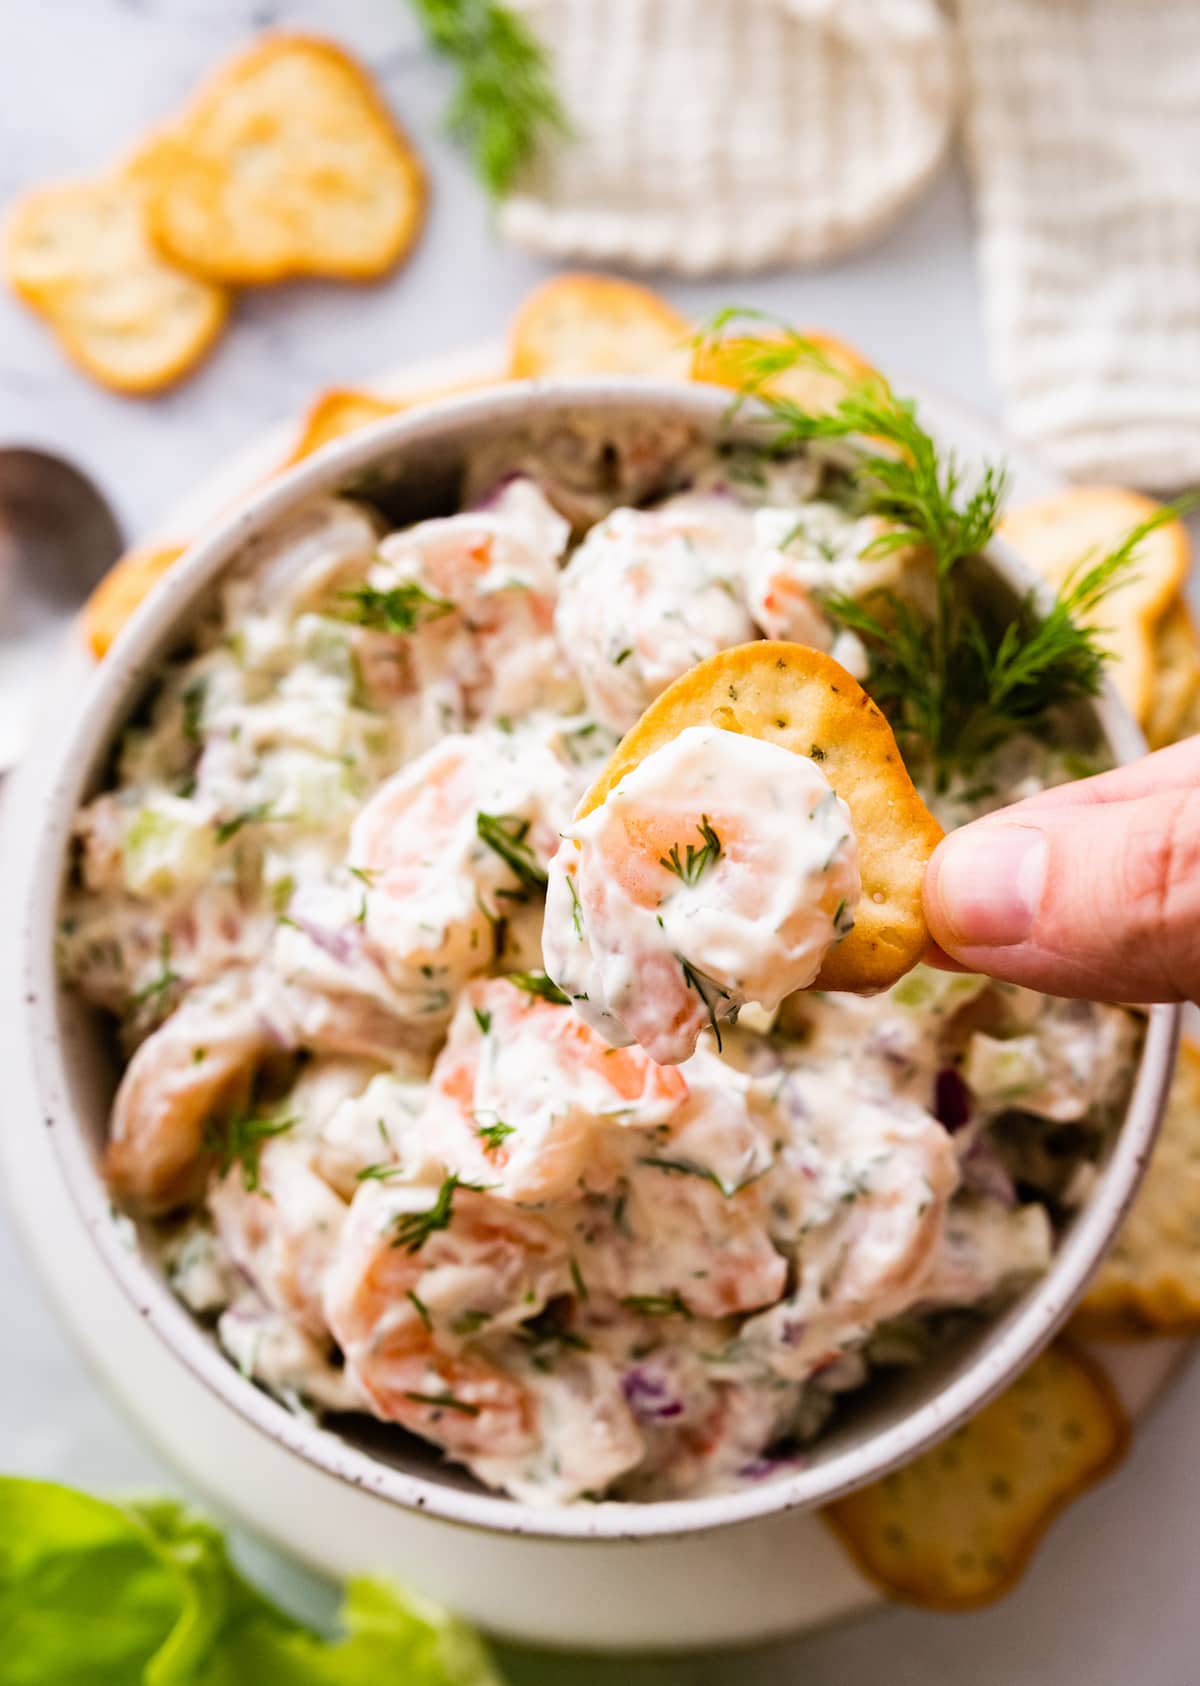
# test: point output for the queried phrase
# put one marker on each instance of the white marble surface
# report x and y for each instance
(1109, 1598)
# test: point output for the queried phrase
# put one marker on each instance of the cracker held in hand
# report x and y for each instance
(597, 325)
(955, 1528)
(803, 700)
(287, 163)
(1149, 1284)
(81, 256)
(1058, 534)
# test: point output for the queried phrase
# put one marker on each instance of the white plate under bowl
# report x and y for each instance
(781, 1573)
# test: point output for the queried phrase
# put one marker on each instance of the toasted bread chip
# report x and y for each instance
(1176, 685)
(814, 388)
(597, 325)
(1055, 534)
(81, 256)
(336, 413)
(955, 1528)
(798, 697)
(1149, 1284)
(121, 590)
(287, 163)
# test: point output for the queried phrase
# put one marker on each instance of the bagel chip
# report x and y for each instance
(1149, 1284)
(955, 1528)
(800, 698)
(1175, 690)
(287, 163)
(1058, 534)
(127, 582)
(817, 389)
(80, 255)
(597, 325)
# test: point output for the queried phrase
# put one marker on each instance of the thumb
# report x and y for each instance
(1096, 900)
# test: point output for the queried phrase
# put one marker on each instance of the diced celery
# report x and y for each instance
(167, 847)
(1005, 1070)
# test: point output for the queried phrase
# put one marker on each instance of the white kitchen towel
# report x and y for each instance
(725, 135)
(1083, 122)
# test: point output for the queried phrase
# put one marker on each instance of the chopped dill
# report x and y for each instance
(254, 815)
(239, 1142)
(537, 983)
(700, 982)
(483, 1019)
(657, 1305)
(695, 862)
(505, 835)
(159, 988)
(576, 908)
(491, 1135)
(400, 608)
(412, 1230)
(444, 1401)
(421, 1309)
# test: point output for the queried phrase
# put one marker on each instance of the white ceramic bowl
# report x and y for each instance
(417, 459)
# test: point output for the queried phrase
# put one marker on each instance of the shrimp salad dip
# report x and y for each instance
(384, 1157)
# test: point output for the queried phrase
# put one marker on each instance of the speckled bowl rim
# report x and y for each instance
(126, 672)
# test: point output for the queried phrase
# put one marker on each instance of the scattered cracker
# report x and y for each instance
(1055, 534)
(1176, 684)
(80, 255)
(597, 325)
(1149, 1284)
(955, 1528)
(814, 388)
(336, 413)
(287, 163)
(798, 697)
(121, 591)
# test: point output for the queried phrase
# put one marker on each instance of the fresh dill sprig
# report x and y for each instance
(412, 1230)
(505, 835)
(239, 1141)
(537, 983)
(955, 681)
(399, 608)
(695, 861)
(505, 100)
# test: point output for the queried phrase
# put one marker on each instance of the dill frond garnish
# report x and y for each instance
(954, 680)
(401, 608)
(492, 1135)
(505, 98)
(709, 991)
(505, 835)
(694, 862)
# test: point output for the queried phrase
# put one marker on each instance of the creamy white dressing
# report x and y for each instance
(403, 1185)
(719, 871)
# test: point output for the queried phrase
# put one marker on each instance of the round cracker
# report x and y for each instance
(584, 324)
(80, 255)
(122, 589)
(1057, 534)
(1176, 685)
(802, 699)
(816, 389)
(287, 163)
(1149, 1283)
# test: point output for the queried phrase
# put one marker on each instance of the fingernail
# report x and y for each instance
(989, 883)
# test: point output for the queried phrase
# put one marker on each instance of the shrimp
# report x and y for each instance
(527, 1099)
(718, 872)
(799, 558)
(480, 588)
(195, 1071)
(443, 844)
(418, 1283)
(861, 1196)
(281, 1232)
(646, 596)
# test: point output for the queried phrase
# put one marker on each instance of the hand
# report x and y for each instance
(1090, 889)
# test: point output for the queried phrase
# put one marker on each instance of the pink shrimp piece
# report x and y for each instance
(195, 1070)
(410, 1304)
(432, 879)
(281, 1232)
(524, 1096)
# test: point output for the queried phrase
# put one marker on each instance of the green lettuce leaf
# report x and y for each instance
(146, 1594)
